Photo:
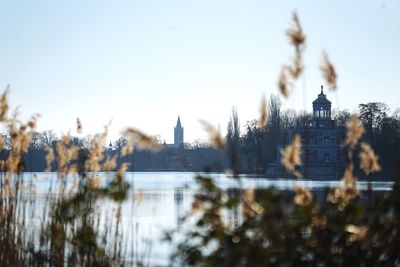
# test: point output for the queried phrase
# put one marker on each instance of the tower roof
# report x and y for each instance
(321, 98)
(178, 123)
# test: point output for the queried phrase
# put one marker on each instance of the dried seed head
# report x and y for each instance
(291, 156)
(347, 192)
(4, 104)
(66, 153)
(95, 182)
(110, 164)
(296, 34)
(357, 232)
(303, 196)
(49, 157)
(354, 131)
(137, 138)
(250, 207)
(215, 136)
(264, 115)
(122, 169)
(297, 67)
(368, 159)
(284, 84)
(197, 205)
(2, 141)
(318, 222)
(297, 38)
(328, 72)
(96, 151)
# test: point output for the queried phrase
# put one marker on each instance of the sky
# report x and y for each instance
(142, 63)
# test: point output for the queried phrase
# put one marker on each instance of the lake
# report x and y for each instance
(156, 202)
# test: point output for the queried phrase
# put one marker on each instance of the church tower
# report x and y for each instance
(178, 133)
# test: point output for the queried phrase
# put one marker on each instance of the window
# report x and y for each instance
(327, 157)
(326, 140)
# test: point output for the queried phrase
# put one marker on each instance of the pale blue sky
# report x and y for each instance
(141, 63)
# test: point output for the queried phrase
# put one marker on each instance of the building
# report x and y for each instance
(321, 139)
(178, 133)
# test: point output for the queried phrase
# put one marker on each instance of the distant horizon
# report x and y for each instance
(141, 64)
(72, 129)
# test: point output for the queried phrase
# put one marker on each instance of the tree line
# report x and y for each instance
(249, 149)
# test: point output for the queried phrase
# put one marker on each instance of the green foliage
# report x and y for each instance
(273, 231)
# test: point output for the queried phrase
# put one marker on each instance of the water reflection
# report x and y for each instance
(158, 201)
(179, 209)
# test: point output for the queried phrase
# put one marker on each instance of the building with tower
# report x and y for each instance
(178, 133)
(321, 139)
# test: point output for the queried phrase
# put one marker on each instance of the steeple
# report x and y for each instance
(178, 123)
(178, 133)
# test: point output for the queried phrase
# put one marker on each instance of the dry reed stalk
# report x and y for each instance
(354, 131)
(347, 192)
(4, 104)
(264, 114)
(297, 38)
(197, 205)
(303, 196)
(66, 153)
(291, 156)
(328, 72)
(122, 169)
(296, 35)
(368, 159)
(96, 152)
(318, 221)
(110, 164)
(357, 232)
(217, 141)
(49, 157)
(136, 138)
(250, 206)
(284, 85)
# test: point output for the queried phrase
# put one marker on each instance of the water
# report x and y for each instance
(156, 202)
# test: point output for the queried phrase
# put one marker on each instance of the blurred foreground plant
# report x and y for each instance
(69, 232)
(292, 228)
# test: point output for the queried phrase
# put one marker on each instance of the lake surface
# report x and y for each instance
(157, 200)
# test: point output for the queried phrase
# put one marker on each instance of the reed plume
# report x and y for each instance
(343, 195)
(215, 136)
(4, 104)
(328, 72)
(357, 232)
(250, 207)
(368, 159)
(295, 68)
(354, 131)
(264, 114)
(284, 85)
(136, 138)
(303, 196)
(96, 151)
(291, 156)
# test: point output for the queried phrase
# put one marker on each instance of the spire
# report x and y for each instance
(178, 123)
